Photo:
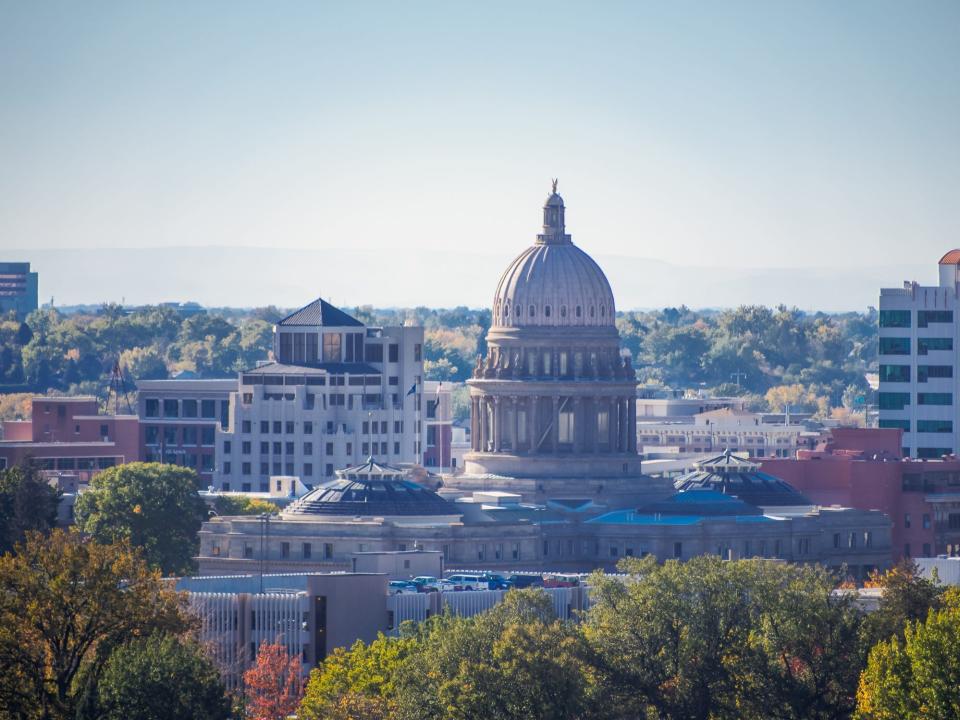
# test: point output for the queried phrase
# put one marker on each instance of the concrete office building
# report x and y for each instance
(310, 614)
(918, 362)
(716, 430)
(179, 421)
(18, 289)
(438, 426)
(337, 393)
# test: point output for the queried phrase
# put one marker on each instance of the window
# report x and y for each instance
(373, 353)
(894, 401)
(836, 540)
(566, 427)
(288, 427)
(926, 521)
(894, 424)
(264, 427)
(349, 448)
(277, 447)
(189, 408)
(245, 427)
(171, 408)
(895, 318)
(308, 428)
(308, 469)
(207, 435)
(933, 371)
(393, 353)
(906, 550)
(396, 451)
(264, 468)
(932, 453)
(208, 408)
(329, 448)
(546, 311)
(906, 520)
(288, 447)
(894, 346)
(925, 345)
(678, 549)
(190, 435)
(935, 426)
(307, 551)
(926, 550)
(152, 408)
(417, 352)
(277, 427)
(308, 448)
(227, 447)
(895, 373)
(331, 347)
(245, 468)
(248, 550)
(328, 470)
(246, 447)
(925, 317)
(934, 399)
(328, 551)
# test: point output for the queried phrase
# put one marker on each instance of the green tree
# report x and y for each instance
(65, 604)
(155, 507)
(143, 363)
(710, 639)
(161, 677)
(918, 678)
(27, 502)
(907, 597)
(242, 505)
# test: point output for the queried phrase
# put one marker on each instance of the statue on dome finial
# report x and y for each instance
(554, 186)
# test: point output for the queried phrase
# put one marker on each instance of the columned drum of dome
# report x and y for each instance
(554, 398)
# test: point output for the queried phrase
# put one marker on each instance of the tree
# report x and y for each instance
(161, 677)
(155, 507)
(907, 597)
(27, 502)
(273, 684)
(65, 604)
(710, 639)
(242, 505)
(918, 678)
(141, 363)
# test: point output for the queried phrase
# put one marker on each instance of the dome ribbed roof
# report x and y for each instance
(553, 283)
(731, 475)
(371, 489)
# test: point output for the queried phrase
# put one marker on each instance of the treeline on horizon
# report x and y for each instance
(815, 362)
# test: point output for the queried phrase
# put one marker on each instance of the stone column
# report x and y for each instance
(474, 423)
(515, 426)
(611, 425)
(578, 425)
(555, 427)
(533, 405)
(482, 429)
(496, 423)
(632, 425)
(623, 424)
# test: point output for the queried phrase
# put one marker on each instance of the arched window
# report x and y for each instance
(593, 311)
(546, 311)
(563, 311)
(579, 311)
(506, 309)
(603, 311)
(533, 311)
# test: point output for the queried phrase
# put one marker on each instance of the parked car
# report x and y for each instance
(560, 581)
(495, 581)
(428, 583)
(468, 582)
(402, 587)
(525, 581)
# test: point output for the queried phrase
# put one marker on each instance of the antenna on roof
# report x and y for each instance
(118, 385)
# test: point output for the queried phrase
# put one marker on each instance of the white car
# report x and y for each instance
(468, 582)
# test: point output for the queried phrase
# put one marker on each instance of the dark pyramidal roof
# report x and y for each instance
(371, 489)
(320, 312)
(741, 478)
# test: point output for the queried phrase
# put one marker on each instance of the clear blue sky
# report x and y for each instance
(741, 134)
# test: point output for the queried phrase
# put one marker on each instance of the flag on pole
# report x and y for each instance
(436, 402)
(412, 390)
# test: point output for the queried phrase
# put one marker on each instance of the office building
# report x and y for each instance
(336, 393)
(18, 289)
(918, 358)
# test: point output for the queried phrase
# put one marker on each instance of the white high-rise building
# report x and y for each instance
(918, 361)
(337, 393)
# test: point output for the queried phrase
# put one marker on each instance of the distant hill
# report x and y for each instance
(287, 277)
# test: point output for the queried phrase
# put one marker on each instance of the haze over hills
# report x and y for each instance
(255, 276)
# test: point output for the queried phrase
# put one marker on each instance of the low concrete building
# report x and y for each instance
(311, 614)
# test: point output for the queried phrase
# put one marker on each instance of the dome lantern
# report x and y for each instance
(554, 223)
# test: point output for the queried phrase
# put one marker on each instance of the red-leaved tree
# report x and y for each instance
(273, 685)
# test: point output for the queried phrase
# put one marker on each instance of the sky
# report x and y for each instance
(748, 140)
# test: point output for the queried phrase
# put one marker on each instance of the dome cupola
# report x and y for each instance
(553, 283)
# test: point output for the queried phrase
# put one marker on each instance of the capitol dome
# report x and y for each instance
(553, 283)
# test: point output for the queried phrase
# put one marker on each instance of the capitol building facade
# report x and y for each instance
(553, 478)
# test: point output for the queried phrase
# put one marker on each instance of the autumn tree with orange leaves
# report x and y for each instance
(273, 686)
